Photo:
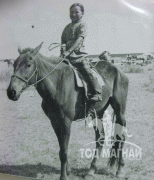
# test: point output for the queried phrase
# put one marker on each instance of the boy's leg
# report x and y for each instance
(95, 88)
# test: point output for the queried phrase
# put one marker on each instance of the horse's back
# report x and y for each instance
(113, 77)
(110, 71)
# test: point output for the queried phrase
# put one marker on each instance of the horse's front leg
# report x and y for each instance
(62, 130)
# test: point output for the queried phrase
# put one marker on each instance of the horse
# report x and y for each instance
(9, 62)
(63, 102)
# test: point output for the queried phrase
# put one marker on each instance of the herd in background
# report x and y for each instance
(139, 59)
(136, 59)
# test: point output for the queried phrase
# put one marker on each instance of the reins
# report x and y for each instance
(49, 48)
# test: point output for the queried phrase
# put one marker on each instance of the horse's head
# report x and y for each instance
(25, 70)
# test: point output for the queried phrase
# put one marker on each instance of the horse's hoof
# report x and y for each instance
(68, 170)
(89, 177)
(112, 170)
(61, 178)
(120, 173)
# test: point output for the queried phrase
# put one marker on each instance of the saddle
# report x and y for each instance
(80, 81)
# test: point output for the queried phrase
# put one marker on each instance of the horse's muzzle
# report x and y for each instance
(12, 95)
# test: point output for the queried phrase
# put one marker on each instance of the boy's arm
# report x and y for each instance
(75, 45)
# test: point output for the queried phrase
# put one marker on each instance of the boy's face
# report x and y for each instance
(75, 13)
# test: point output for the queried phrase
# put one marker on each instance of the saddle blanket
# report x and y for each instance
(81, 82)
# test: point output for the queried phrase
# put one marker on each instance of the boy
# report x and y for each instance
(73, 37)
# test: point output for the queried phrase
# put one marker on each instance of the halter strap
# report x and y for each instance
(26, 81)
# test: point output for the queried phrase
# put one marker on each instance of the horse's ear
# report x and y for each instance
(19, 50)
(36, 50)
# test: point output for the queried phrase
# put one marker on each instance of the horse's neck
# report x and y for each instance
(48, 77)
(46, 64)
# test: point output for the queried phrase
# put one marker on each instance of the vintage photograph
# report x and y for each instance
(77, 90)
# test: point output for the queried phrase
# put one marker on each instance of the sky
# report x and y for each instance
(117, 26)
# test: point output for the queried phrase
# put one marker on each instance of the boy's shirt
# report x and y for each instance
(70, 34)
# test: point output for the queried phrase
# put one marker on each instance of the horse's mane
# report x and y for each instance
(26, 50)
(51, 59)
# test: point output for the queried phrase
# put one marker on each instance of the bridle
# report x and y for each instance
(36, 71)
(27, 80)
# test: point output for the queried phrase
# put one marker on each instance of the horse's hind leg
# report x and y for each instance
(118, 103)
(99, 137)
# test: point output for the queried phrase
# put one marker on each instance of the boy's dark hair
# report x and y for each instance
(80, 5)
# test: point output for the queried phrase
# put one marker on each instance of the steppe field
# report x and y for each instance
(29, 146)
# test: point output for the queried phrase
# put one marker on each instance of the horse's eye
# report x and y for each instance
(28, 65)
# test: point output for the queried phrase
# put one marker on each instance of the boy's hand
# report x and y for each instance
(66, 53)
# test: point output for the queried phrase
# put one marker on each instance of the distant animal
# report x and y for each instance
(64, 102)
(141, 57)
(134, 56)
(9, 62)
(129, 57)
